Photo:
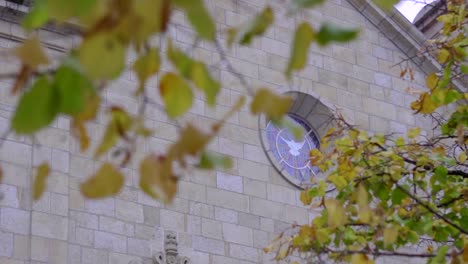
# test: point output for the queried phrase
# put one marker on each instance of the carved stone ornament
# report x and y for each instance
(170, 254)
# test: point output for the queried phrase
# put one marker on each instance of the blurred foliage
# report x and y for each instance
(381, 192)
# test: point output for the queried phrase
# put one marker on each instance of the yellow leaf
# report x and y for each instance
(362, 196)
(414, 132)
(89, 113)
(203, 80)
(443, 56)
(117, 127)
(157, 179)
(272, 105)
(390, 235)
(424, 105)
(102, 56)
(361, 259)
(40, 180)
(147, 65)
(462, 157)
(315, 157)
(257, 26)
(306, 199)
(106, 182)
(1, 175)
(31, 53)
(191, 141)
(299, 50)
(336, 213)
(431, 81)
(176, 94)
(199, 17)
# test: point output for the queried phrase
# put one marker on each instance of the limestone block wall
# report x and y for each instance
(219, 216)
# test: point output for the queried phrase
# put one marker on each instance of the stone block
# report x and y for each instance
(16, 153)
(139, 247)
(249, 220)
(108, 241)
(282, 194)
(129, 211)
(228, 200)
(208, 245)
(229, 182)
(14, 220)
(93, 256)
(266, 208)
(255, 188)
(211, 228)
(113, 225)
(84, 237)
(237, 234)
(101, 207)
(50, 226)
(144, 232)
(22, 248)
(226, 215)
(10, 196)
(151, 215)
(6, 244)
(194, 225)
(201, 209)
(192, 191)
(85, 220)
(253, 170)
(59, 204)
(230, 147)
(172, 220)
(243, 252)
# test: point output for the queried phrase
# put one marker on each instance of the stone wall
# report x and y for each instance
(219, 216)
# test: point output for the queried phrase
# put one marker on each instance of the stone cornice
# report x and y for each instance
(402, 33)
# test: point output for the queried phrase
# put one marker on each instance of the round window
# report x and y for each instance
(290, 155)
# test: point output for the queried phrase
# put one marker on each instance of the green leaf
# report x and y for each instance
(176, 94)
(118, 126)
(464, 68)
(102, 56)
(107, 181)
(386, 4)
(257, 26)
(397, 196)
(299, 4)
(195, 71)
(211, 160)
(64, 10)
(203, 80)
(36, 109)
(73, 89)
(147, 65)
(198, 17)
(40, 180)
(441, 254)
(330, 33)
(37, 17)
(302, 40)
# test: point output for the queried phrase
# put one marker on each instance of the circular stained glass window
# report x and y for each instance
(291, 154)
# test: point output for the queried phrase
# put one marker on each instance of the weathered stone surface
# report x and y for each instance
(109, 241)
(50, 226)
(237, 234)
(15, 220)
(208, 245)
(6, 244)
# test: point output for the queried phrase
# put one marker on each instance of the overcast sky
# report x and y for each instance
(410, 8)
